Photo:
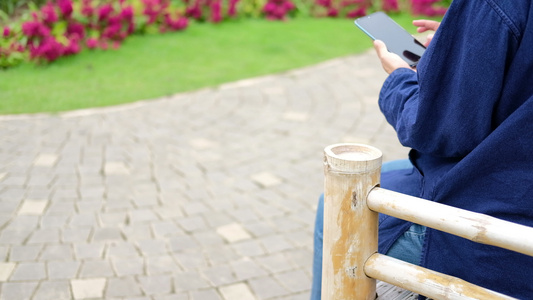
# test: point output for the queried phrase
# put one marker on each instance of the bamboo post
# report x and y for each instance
(425, 282)
(350, 228)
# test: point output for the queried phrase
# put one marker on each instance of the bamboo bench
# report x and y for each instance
(352, 201)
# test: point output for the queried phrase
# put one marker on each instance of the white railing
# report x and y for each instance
(352, 201)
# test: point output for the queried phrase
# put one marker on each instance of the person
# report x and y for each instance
(466, 114)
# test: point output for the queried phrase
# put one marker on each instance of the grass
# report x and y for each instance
(152, 66)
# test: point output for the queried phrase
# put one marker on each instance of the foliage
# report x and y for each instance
(12, 6)
(64, 27)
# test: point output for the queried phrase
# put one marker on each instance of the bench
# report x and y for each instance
(351, 264)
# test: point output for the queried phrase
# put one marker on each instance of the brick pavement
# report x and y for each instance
(204, 195)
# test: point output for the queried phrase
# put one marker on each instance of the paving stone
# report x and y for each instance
(137, 232)
(294, 281)
(142, 215)
(220, 255)
(96, 268)
(152, 247)
(90, 206)
(121, 250)
(166, 229)
(56, 252)
(122, 287)
(116, 168)
(54, 221)
(233, 232)
(246, 268)
(219, 275)
(62, 269)
(189, 281)
(161, 264)
(275, 243)
(17, 290)
(45, 160)
(156, 285)
(249, 248)
(4, 250)
(88, 288)
(275, 263)
(191, 261)
(180, 243)
(28, 271)
(195, 208)
(47, 290)
(266, 179)
(239, 291)
(93, 250)
(25, 253)
(6, 269)
(208, 238)
(83, 220)
(21, 222)
(112, 219)
(181, 296)
(194, 223)
(266, 287)
(107, 234)
(210, 294)
(128, 266)
(75, 235)
(33, 207)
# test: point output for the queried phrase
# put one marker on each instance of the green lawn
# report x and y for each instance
(152, 66)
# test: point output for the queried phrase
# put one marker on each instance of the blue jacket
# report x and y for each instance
(467, 114)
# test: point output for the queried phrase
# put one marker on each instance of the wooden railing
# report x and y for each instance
(352, 201)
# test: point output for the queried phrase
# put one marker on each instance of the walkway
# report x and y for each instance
(203, 195)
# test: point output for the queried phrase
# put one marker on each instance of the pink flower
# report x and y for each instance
(390, 5)
(104, 12)
(49, 14)
(65, 6)
(7, 31)
(76, 29)
(356, 13)
(288, 6)
(35, 29)
(103, 45)
(127, 13)
(216, 11)
(325, 3)
(270, 7)
(49, 49)
(194, 11)
(232, 9)
(72, 48)
(86, 8)
(332, 12)
(91, 43)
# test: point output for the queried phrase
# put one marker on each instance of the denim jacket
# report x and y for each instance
(467, 115)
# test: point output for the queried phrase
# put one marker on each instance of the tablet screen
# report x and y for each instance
(379, 26)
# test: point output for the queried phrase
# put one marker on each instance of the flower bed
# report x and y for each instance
(65, 27)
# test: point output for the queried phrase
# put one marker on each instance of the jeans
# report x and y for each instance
(407, 247)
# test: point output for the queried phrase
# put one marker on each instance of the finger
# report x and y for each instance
(380, 47)
(424, 25)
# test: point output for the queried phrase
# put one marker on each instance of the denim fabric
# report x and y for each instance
(467, 116)
(407, 247)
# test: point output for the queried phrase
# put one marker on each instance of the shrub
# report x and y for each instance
(63, 27)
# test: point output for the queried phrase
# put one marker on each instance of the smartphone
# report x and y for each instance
(379, 26)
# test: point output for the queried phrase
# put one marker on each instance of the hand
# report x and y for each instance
(425, 25)
(389, 61)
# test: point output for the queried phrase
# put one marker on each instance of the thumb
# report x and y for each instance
(380, 47)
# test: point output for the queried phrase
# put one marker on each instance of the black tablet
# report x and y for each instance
(379, 26)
